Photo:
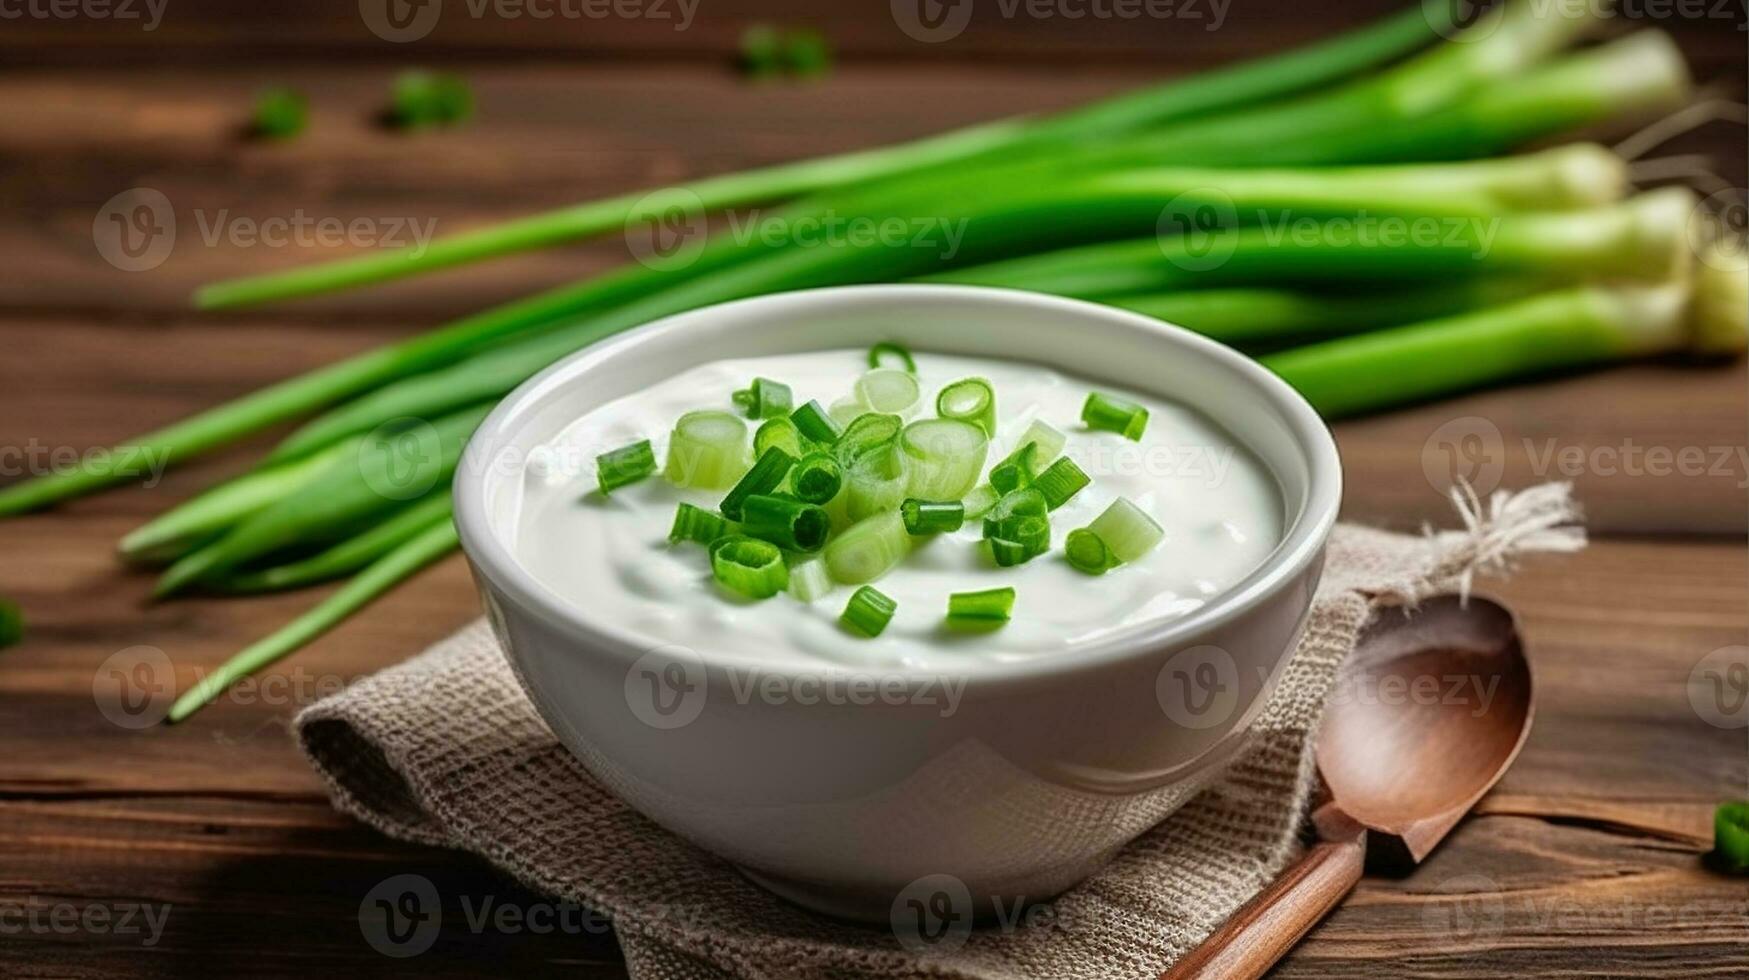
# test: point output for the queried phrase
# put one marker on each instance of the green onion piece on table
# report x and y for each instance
(875, 483)
(781, 433)
(708, 450)
(761, 51)
(808, 580)
(1016, 471)
(789, 524)
(11, 623)
(750, 566)
(817, 478)
(867, 549)
(280, 113)
(1060, 481)
(891, 391)
(932, 516)
(1087, 553)
(881, 354)
(624, 466)
(1108, 413)
(1731, 837)
(1126, 530)
(816, 424)
(693, 523)
(423, 99)
(868, 612)
(868, 432)
(765, 476)
(764, 399)
(969, 400)
(943, 457)
(806, 54)
(988, 608)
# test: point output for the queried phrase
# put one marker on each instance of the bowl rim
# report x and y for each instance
(1301, 546)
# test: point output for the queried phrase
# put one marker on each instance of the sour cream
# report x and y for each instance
(610, 556)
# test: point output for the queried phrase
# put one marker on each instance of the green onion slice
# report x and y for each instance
(878, 354)
(697, 524)
(708, 450)
(1046, 438)
(944, 457)
(814, 423)
(869, 611)
(979, 501)
(846, 410)
(875, 483)
(1009, 553)
(1127, 530)
(787, 523)
(764, 399)
(1015, 472)
(624, 466)
(932, 516)
(780, 432)
(770, 469)
(1731, 837)
(1025, 502)
(890, 391)
(868, 432)
(817, 478)
(749, 566)
(1087, 553)
(808, 580)
(1113, 414)
(969, 400)
(1060, 481)
(868, 549)
(991, 607)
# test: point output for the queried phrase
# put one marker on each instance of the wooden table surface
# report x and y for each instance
(1583, 862)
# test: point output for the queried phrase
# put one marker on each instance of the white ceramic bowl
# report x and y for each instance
(1043, 768)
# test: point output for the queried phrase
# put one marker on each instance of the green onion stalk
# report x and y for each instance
(349, 555)
(1205, 95)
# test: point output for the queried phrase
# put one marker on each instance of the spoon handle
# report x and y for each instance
(1265, 928)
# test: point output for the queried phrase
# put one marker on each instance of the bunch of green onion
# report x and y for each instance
(1545, 263)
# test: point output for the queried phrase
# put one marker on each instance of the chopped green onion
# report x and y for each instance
(624, 466)
(11, 623)
(806, 54)
(1025, 502)
(891, 391)
(773, 465)
(969, 400)
(1060, 481)
(932, 516)
(429, 99)
(868, 549)
(749, 566)
(1127, 530)
(1017, 527)
(867, 433)
(697, 524)
(875, 483)
(944, 457)
(1087, 553)
(1731, 837)
(869, 611)
(780, 432)
(1016, 471)
(764, 399)
(280, 113)
(1049, 441)
(846, 410)
(813, 423)
(979, 501)
(878, 352)
(708, 450)
(1113, 414)
(991, 607)
(1009, 553)
(817, 478)
(761, 51)
(808, 580)
(789, 524)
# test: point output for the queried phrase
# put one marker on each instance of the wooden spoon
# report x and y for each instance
(1426, 716)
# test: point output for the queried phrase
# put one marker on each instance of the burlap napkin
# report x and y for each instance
(445, 749)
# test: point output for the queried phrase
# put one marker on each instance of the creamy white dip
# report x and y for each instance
(611, 558)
